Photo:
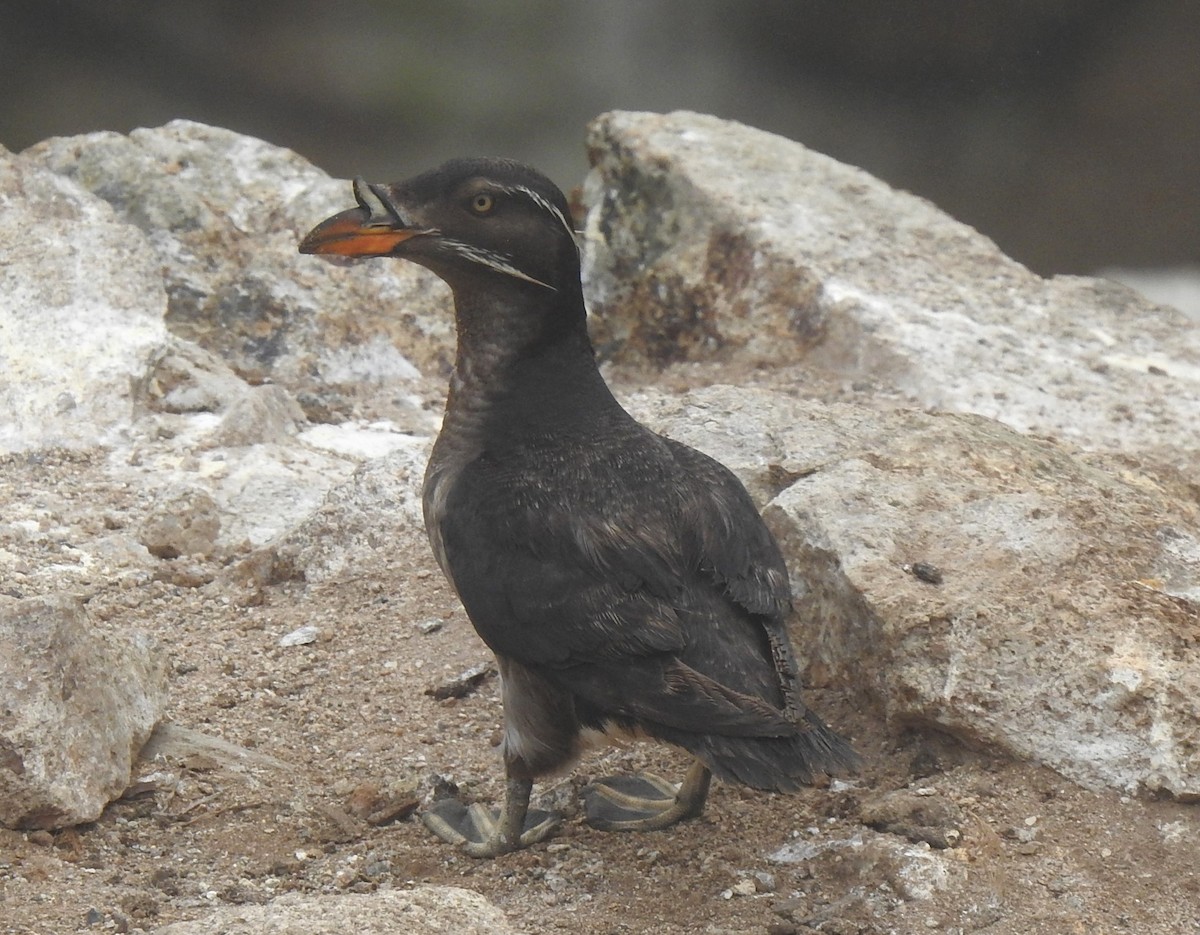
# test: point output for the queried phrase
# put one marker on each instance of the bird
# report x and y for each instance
(625, 582)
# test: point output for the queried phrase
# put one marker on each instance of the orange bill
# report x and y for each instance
(351, 234)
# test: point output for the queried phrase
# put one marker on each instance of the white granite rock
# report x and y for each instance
(78, 702)
(1000, 588)
(709, 240)
(421, 910)
(224, 213)
(365, 523)
(81, 311)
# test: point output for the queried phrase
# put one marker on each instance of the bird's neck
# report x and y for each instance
(524, 365)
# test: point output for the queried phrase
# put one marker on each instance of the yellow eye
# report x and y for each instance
(482, 203)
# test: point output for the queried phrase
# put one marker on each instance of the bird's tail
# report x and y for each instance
(780, 764)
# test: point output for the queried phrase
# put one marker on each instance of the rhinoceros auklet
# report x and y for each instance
(624, 581)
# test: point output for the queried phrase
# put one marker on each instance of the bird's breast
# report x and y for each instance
(451, 455)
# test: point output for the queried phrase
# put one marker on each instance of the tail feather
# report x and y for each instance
(779, 764)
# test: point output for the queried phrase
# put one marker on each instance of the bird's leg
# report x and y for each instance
(643, 802)
(483, 832)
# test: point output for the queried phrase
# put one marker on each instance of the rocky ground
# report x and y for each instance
(984, 483)
(334, 740)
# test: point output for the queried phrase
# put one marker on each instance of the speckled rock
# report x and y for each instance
(1067, 589)
(913, 871)
(76, 704)
(181, 521)
(363, 523)
(265, 414)
(81, 309)
(712, 241)
(224, 213)
(422, 910)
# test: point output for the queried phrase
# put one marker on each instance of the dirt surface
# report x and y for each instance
(340, 737)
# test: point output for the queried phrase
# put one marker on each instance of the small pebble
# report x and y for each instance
(790, 906)
(923, 571)
(1059, 886)
(462, 684)
(300, 636)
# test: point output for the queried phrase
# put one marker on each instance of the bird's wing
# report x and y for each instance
(739, 554)
(549, 583)
(623, 590)
(735, 547)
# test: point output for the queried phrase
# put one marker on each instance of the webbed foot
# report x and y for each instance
(643, 802)
(484, 832)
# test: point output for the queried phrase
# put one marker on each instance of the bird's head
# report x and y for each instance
(476, 223)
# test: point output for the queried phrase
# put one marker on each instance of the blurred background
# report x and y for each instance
(1067, 130)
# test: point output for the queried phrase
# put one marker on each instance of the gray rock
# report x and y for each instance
(928, 819)
(1069, 584)
(301, 636)
(421, 910)
(78, 703)
(913, 871)
(265, 414)
(263, 491)
(364, 523)
(81, 309)
(181, 521)
(708, 240)
(1178, 287)
(224, 213)
(182, 378)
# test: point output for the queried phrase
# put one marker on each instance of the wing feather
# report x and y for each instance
(652, 591)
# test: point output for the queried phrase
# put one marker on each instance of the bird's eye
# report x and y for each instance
(482, 203)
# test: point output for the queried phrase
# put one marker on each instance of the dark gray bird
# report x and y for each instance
(624, 581)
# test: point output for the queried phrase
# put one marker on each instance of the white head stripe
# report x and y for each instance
(546, 206)
(496, 261)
